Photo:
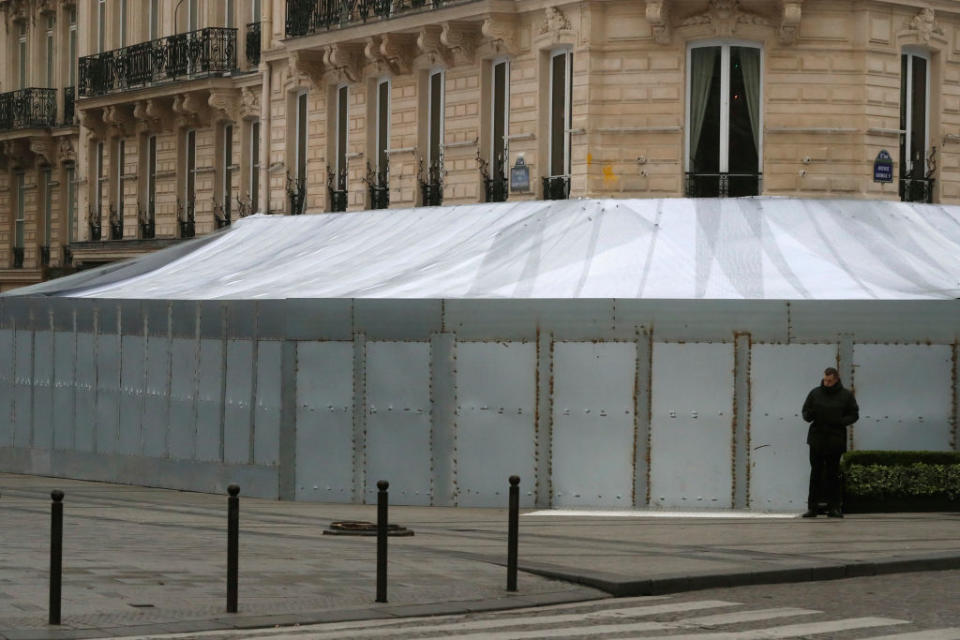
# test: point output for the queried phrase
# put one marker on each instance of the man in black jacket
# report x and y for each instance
(829, 409)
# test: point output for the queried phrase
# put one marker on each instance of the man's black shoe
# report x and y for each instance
(834, 513)
(809, 513)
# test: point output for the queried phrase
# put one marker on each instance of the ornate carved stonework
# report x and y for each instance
(16, 153)
(398, 50)
(345, 60)
(724, 16)
(658, 15)
(791, 12)
(430, 45)
(461, 38)
(43, 149)
(152, 116)
(306, 66)
(924, 24)
(225, 104)
(249, 103)
(66, 152)
(92, 121)
(554, 21)
(190, 110)
(118, 120)
(501, 31)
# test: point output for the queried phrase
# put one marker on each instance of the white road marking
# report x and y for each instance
(790, 630)
(952, 633)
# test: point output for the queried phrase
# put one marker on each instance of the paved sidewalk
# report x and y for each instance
(140, 560)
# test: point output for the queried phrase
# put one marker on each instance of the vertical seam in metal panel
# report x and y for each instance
(649, 401)
(641, 425)
(254, 383)
(224, 344)
(549, 434)
(359, 417)
(955, 391)
(142, 399)
(73, 379)
(536, 418)
(95, 391)
(168, 380)
(454, 424)
(119, 334)
(741, 420)
(431, 399)
(195, 389)
(33, 373)
(13, 378)
(53, 378)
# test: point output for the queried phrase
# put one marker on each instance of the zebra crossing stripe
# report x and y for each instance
(791, 630)
(952, 633)
(746, 616)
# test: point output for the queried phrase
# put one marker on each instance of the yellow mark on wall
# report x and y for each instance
(589, 159)
(608, 175)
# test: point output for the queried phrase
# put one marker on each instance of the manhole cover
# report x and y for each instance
(363, 528)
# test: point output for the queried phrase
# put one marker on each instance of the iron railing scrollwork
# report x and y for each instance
(494, 186)
(69, 106)
(431, 183)
(18, 257)
(556, 187)
(722, 185)
(311, 16)
(28, 109)
(337, 186)
(252, 47)
(44, 255)
(378, 182)
(148, 227)
(187, 218)
(917, 185)
(221, 213)
(116, 225)
(67, 256)
(205, 52)
(96, 225)
(297, 192)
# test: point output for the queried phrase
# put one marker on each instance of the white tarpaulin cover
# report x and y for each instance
(754, 248)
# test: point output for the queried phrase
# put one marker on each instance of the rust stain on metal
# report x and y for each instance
(649, 392)
(536, 416)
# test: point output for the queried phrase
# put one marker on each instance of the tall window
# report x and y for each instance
(20, 221)
(190, 192)
(915, 185)
(496, 184)
(299, 191)
(556, 186)
(22, 55)
(153, 20)
(432, 182)
(47, 209)
(147, 230)
(379, 181)
(116, 220)
(192, 15)
(123, 22)
(255, 165)
(383, 125)
(255, 11)
(71, 203)
(101, 25)
(50, 49)
(337, 178)
(101, 182)
(227, 172)
(724, 117)
(231, 13)
(73, 47)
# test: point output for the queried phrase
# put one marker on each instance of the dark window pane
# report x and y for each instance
(383, 122)
(744, 111)
(302, 138)
(436, 101)
(918, 118)
(558, 122)
(499, 113)
(706, 157)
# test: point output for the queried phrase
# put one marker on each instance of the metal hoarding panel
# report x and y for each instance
(237, 402)
(108, 391)
(182, 433)
(905, 396)
(43, 390)
(266, 436)
(132, 351)
(780, 378)
(593, 423)
(85, 383)
(6, 387)
(495, 430)
(23, 388)
(325, 421)
(398, 421)
(691, 457)
(210, 400)
(156, 400)
(64, 390)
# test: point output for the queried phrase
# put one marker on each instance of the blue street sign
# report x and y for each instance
(520, 176)
(883, 167)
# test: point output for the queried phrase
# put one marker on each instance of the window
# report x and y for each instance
(101, 180)
(496, 184)
(116, 218)
(101, 25)
(556, 186)
(73, 47)
(22, 56)
(47, 209)
(19, 222)
(383, 124)
(231, 13)
(337, 178)
(123, 23)
(192, 15)
(255, 11)
(379, 181)
(147, 230)
(255, 165)
(916, 183)
(227, 172)
(190, 190)
(153, 20)
(724, 121)
(51, 51)
(432, 183)
(298, 190)
(71, 204)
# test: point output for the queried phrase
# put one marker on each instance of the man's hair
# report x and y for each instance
(830, 371)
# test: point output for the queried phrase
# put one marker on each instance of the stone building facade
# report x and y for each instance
(194, 113)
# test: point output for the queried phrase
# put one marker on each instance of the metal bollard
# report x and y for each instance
(382, 499)
(513, 520)
(233, 546)
(56, 554)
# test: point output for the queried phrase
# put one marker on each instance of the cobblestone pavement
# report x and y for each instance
(141, 560)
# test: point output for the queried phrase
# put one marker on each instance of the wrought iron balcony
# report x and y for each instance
(253, 44)
(431, 184)
(722, 185)
(96, 224)
(69, 106)
(916, 190)
(45, 256)
(337, 186)
(147, 220)
(28, 109)
(18, 257)
(206, 52)
(494, 187)
(556, 187)
(187, 219)
(297, 191)
(379, 184)
(222, 213)
(312, 16)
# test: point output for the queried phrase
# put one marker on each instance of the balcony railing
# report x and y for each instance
(431, 184)
(495, 186)
(916, 190)
(96, 224)
(44, 256)
(311, 16)
(556, 187)
(722, 185)
(337, 186)
(28, 109)
(297, 191)
(147, 220)
(187, 219)
(18, 257)
(69, 106)
(205, 52)
(379, 184)
(253, 44)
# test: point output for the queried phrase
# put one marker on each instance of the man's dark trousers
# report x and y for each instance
(824, 479)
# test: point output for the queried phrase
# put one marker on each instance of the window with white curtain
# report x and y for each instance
(914, 115)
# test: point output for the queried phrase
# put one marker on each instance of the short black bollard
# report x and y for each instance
(56, 554)
(233, 546)
(513, 525)
(382, 498)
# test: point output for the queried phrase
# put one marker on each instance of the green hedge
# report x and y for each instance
(901, 481)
